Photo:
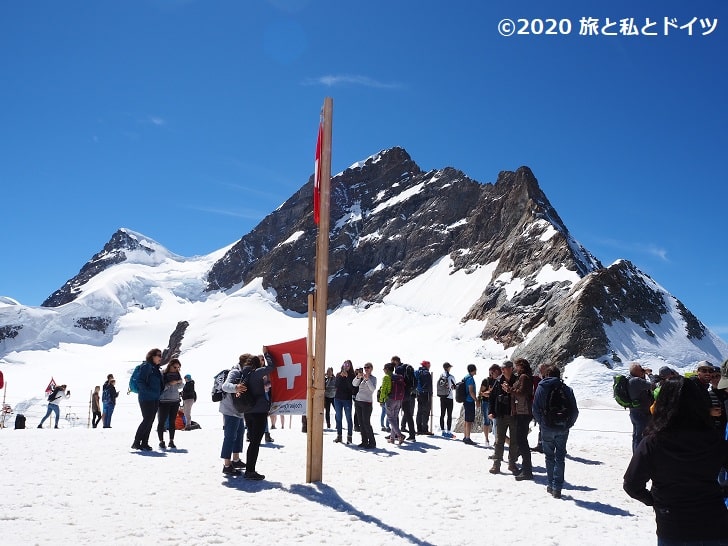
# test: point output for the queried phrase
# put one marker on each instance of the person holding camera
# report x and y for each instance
(54, 399)
(367, 384)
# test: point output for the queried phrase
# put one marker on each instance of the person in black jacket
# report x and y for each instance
(343, 400)
(500, 409)
(189, 397)
(681, 453)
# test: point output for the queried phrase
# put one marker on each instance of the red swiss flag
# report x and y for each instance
(289, 385)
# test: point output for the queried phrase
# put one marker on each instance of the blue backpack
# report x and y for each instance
(134, 379)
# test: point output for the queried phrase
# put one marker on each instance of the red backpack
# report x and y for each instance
(398, 387)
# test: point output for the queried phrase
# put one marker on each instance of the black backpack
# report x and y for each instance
(558, 406)
(408, 372)
(217, 381)
(244, 401)
(19, 421)
(461, 392)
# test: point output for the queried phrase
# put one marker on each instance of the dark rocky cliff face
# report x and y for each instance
(548, 298)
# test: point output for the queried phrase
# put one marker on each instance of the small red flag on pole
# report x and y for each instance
(317, 176)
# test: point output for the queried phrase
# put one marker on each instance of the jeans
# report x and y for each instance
(383, 421)
(424, 405)
(639, 422)
(108, 412)
(343, 407)
(393, 408)
(96, 418)
(149, 412)
(553, 441)
(52, 408)
(232, 441)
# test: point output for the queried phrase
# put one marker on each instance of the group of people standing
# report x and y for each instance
(358, 389)
(159, 396)
(680, 444)
(106, 401)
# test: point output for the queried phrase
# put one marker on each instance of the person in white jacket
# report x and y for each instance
(54, 399)
(367, 384)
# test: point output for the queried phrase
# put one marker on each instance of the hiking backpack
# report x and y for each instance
(558, 406)
(461, 392)
(621, 392)
(398, 387)
(217, 381)
(443, 385)
(423, 379)
(408, 373)
(134, 379)
(52, 395)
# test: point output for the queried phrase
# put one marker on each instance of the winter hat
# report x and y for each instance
(723, 383)
(666, 372)
(188, 377)
(426, 364)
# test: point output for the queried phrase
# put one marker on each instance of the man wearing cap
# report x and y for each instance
(446, 384)
(500, 409)
(189, 397)
(424, 398)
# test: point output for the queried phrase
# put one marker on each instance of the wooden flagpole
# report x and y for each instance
(314, 466)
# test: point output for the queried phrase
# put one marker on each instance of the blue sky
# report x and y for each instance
(190, 120)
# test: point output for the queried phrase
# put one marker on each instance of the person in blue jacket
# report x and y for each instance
(554, 420)
(150, 386)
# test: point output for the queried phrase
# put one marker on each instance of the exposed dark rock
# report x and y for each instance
(10, 331)
(98, 324)
(174, 347)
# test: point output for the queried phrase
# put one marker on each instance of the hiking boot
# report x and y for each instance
(146, 447)
(495, 469)
(136, 445)
(237, 464)
(549, 490)
(268, 438)
(384, 429)
(171, 445)
(161, 444)
(231, 471)
(411, 438)
(513, 467)
(401, 439)
(253, 475)
(556, 493)
(348, 439)
(524, 476)
(337, 440)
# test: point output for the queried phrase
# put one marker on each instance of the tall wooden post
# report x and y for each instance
(315, 413)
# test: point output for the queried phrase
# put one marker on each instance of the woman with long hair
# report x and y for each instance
(681, 453)
(169, 402)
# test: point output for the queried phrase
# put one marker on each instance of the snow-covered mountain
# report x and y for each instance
(459, 269)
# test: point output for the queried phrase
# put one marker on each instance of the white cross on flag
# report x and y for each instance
(289, 387)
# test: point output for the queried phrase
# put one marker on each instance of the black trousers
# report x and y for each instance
(167, 416)
(149, 412)
(328, 402)
(446, 405)
(256, 428)
(364, 409)
(424, 404)
(408, 410)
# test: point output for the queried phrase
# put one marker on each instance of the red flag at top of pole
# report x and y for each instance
(317, 176)
(51, 386)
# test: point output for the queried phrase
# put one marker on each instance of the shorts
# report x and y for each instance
(469, 410)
